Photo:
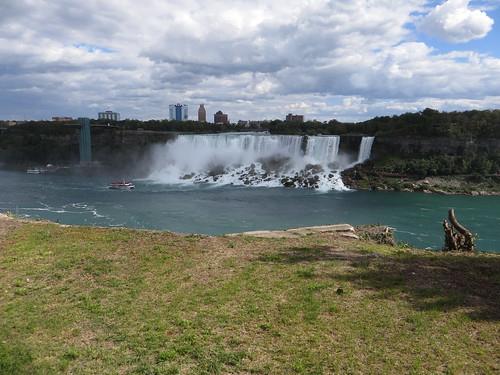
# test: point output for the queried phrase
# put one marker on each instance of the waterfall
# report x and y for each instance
(325, 150)
(253, 159)
(365, 149)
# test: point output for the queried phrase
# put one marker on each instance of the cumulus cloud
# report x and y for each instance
(455, 22)
(324, 58)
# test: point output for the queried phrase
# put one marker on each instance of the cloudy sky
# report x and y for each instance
(344, 59)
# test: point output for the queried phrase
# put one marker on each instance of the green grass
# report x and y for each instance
(89, 300)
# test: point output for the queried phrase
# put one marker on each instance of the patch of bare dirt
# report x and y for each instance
(7, 224)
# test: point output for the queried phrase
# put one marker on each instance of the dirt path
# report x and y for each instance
(7, 224)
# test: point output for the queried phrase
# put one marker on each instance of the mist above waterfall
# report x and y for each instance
(253, 159)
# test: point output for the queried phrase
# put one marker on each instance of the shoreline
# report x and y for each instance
(434, 191)
(377, 233)
(344, 230)
(365, 179)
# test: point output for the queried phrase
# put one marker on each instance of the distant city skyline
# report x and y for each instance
(348, 60)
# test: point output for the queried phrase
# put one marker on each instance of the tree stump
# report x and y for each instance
(456, 236)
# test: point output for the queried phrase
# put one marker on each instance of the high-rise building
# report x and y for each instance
(202, 113)
(221, 118)
(294, 118)
(178, 112)
(109, 115)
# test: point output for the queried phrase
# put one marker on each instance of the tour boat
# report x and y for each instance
(122, 185)
(36, 170)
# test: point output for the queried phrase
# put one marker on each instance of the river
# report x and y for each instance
(219, 209)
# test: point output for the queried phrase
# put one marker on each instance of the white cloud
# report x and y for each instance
(261, 59)
(455, 22)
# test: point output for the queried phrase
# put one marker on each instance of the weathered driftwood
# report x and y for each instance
(456, 236)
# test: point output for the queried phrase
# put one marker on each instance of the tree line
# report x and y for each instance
(426, 123)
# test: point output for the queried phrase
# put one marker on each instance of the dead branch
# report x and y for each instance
(456, 236)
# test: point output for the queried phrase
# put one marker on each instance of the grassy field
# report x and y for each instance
(100, 301)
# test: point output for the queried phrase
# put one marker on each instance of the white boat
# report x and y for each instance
(36, 170)
(122, 185)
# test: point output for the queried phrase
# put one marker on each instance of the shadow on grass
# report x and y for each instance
(430, 282)
(316, 254)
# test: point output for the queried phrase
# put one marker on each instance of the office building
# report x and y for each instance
(221, 118)
(109, 115)
(202, 113)
(294, 118)
(178, 112)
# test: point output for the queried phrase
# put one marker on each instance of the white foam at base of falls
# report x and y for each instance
(251, 160)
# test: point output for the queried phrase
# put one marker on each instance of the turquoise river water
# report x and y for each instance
(206, 209)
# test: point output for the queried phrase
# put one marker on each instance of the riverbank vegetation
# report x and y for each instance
(432, 123)
(444, 174)
(90, 300)
(442, 165)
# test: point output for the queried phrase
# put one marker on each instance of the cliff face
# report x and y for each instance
(59, 144)
(419, 147)
(349, 144)
(425, 146)
(121, 147)
(438, 164)
(20, 145)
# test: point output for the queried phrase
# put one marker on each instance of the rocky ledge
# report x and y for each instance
(377, 233)
(363, 177)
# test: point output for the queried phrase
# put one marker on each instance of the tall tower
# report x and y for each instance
(202, 113)
(171, 110)
(178, 112)
(85, 141)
